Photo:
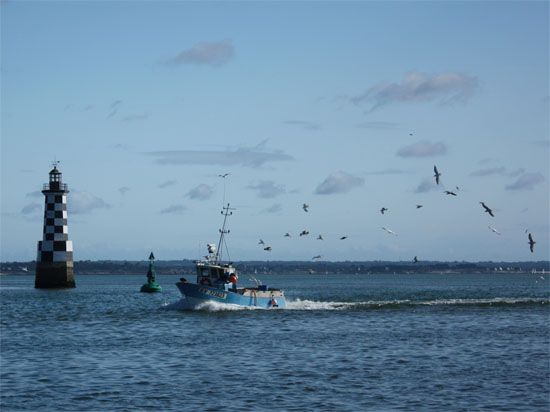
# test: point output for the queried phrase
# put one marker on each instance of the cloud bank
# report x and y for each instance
(339, 182)
(423, 149)
(446, 88)
(206, 54)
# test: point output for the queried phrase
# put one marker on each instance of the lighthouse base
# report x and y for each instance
(52, 275)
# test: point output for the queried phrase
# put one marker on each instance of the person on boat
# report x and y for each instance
(233, 279)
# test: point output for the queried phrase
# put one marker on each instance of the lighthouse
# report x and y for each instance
(54, 262)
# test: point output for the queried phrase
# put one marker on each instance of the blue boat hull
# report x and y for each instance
(197, 294)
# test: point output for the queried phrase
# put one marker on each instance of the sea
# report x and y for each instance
(351, 342)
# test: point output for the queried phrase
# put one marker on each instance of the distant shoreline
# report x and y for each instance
(186, 267)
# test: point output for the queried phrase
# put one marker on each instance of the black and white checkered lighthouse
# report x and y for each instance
(54, 263)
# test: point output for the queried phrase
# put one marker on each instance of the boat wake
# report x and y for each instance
(209, 306)
(299, 304)
(304, 304)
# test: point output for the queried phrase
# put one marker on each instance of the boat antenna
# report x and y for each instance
(227, 211)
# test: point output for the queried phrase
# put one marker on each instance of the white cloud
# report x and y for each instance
(527, 181)
(84, 202)
(339, 182)
(166, 184)
(247, 157)
(174, 209)
(200, 192)
(267, 189)
(209, 54)
(303, 123)
(423, 149)
(446, 88)
(31, 208)
(275, 208)
(425, 185)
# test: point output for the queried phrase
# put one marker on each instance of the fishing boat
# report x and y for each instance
(217, 281)
(151, 286)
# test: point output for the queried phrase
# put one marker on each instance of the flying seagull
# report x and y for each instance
(448, 192)
(304, 233)
(343, 237)
(531, 243)
(384, 209)
(316, 257)
(261, 242)
(287, 234)
(391, 232)
(224, 175)
(267, 248)
(320, 237)
(487, 209)
(419, 206)
(415, 260)
(436, 174)
(305, 207)
(494, 230)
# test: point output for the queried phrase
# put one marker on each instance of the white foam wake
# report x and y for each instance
(207, 306)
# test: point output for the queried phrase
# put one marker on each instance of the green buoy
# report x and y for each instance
(151, 285)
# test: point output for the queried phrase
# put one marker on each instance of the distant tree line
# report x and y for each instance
(187, 267)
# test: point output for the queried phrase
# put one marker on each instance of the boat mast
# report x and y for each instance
(227, 211)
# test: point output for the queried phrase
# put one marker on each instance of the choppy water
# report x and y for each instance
(346, 343)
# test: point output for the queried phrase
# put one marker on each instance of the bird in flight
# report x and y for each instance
(531, 243)
(304, 233)
(419, 206)
(305, 206)
(415, 260)
(267, 248)
(494, 230)
(316, 257)
(287, 234)
(436, 174)
(320, 237)
(487, 209)
(448, 192)
(261, 242)
(384, 209)
(391, 232)
(343, 237)
(224, 175)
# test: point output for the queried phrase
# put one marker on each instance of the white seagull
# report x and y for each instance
(391, 232)
(494, 230)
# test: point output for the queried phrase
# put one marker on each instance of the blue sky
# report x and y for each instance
(345, 106)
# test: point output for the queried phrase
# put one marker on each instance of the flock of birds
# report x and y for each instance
(383, 210)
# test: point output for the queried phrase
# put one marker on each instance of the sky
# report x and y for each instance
(343, 106)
